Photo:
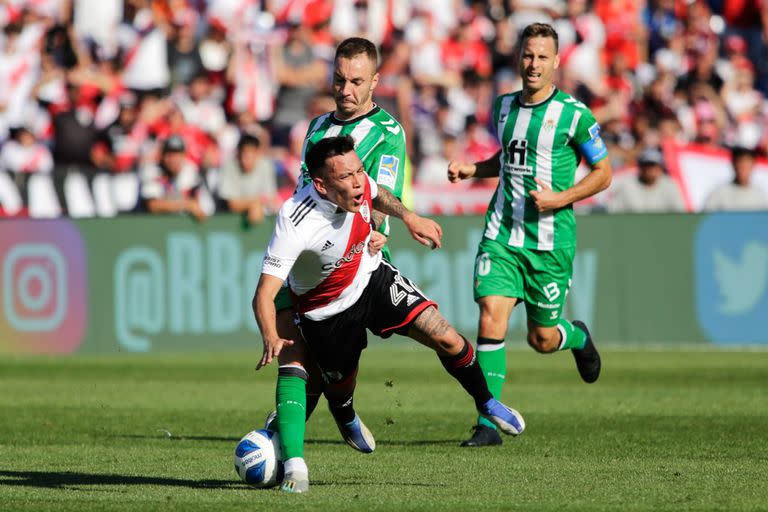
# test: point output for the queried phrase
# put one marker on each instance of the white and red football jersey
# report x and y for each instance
(322, 251)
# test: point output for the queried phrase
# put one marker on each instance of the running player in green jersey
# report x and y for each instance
(380, 145)
(526, 253)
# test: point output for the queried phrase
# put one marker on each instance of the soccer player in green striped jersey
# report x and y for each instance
(526, 253)
(380, 144)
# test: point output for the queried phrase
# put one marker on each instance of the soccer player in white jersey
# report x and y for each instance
(380, 145)
(526, 253)
(340, 289)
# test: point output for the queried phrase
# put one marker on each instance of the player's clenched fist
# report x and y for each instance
(458, 171)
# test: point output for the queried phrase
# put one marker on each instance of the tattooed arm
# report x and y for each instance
(423, 230)
(378, 218)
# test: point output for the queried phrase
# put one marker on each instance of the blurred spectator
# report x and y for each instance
(248, 183)
(200, 106)
(433, 170)
(662, 23)
(138, 71)
(18, 64)
(479, 143)
(125, 140)
(215, 49)
(650, 191)
(75, 132)
(23, 154)
(503, 48)
(743, 103)
(748, 19)
(703, 72)
(252, 76)
(625, 34)
(144, 48)
(354, 17)
(582, 37)
(426, 66)
(200, 148)
(741, 193)
(698, 33)
(97, 21)
(394, 91)
(184, 60)
(464, 50)
(175, 186)
(290, 160)
(300, 74)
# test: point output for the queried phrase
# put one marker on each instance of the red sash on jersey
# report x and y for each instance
(341, 278)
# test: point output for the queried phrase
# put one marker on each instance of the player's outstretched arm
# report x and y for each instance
(266, 316)
(490, 168)
(596, 181)
(425, 231)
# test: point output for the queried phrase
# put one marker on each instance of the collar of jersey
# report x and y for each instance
(323, 204)
(534, 105)
(371, 112)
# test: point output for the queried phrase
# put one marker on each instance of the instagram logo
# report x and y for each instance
(43, 286)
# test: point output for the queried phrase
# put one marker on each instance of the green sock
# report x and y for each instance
(493, 361)
(573, 337)
(291, 399)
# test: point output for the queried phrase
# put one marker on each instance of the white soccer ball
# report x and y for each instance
(257, 459)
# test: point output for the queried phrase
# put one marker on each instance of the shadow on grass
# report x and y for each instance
(62, 480)
(431, 442)
(54, 480)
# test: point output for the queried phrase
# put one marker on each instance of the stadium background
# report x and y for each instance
(92, 88)
(152, 312)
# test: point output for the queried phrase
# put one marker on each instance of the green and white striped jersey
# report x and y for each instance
(379, 142)
(544, 141)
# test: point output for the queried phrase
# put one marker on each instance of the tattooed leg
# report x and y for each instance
(431, 329)
(455, 353)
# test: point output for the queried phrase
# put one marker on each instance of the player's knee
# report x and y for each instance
(490, 315)
(488, 323)
(542, 341)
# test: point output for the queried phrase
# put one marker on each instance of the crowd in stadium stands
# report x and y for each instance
(110, 106)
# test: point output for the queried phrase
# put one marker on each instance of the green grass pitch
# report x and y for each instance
(670, 430)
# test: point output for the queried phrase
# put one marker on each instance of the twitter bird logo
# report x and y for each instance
(731, 272)
(742, 282)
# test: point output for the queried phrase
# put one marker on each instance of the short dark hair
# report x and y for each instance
(540, 30)
(740, 151)
(325, 149)
(247, 139)
(354, 46)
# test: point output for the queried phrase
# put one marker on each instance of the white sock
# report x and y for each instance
(295, 465)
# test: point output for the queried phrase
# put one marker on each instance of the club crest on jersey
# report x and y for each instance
(549, 125)
(365, 211)
(388, 167)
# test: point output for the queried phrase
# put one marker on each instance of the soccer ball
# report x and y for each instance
(257, 459)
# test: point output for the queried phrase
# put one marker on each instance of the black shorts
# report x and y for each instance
(388, 305)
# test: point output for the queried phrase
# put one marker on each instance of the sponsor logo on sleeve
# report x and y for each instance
(388, 168)
(271, 261)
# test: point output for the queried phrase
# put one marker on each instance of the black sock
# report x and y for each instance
(312, 400)
(464, 368)
(340, 398)
(343, 412)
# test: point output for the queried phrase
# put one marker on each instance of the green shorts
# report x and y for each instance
(283, 299)
(540, 278)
